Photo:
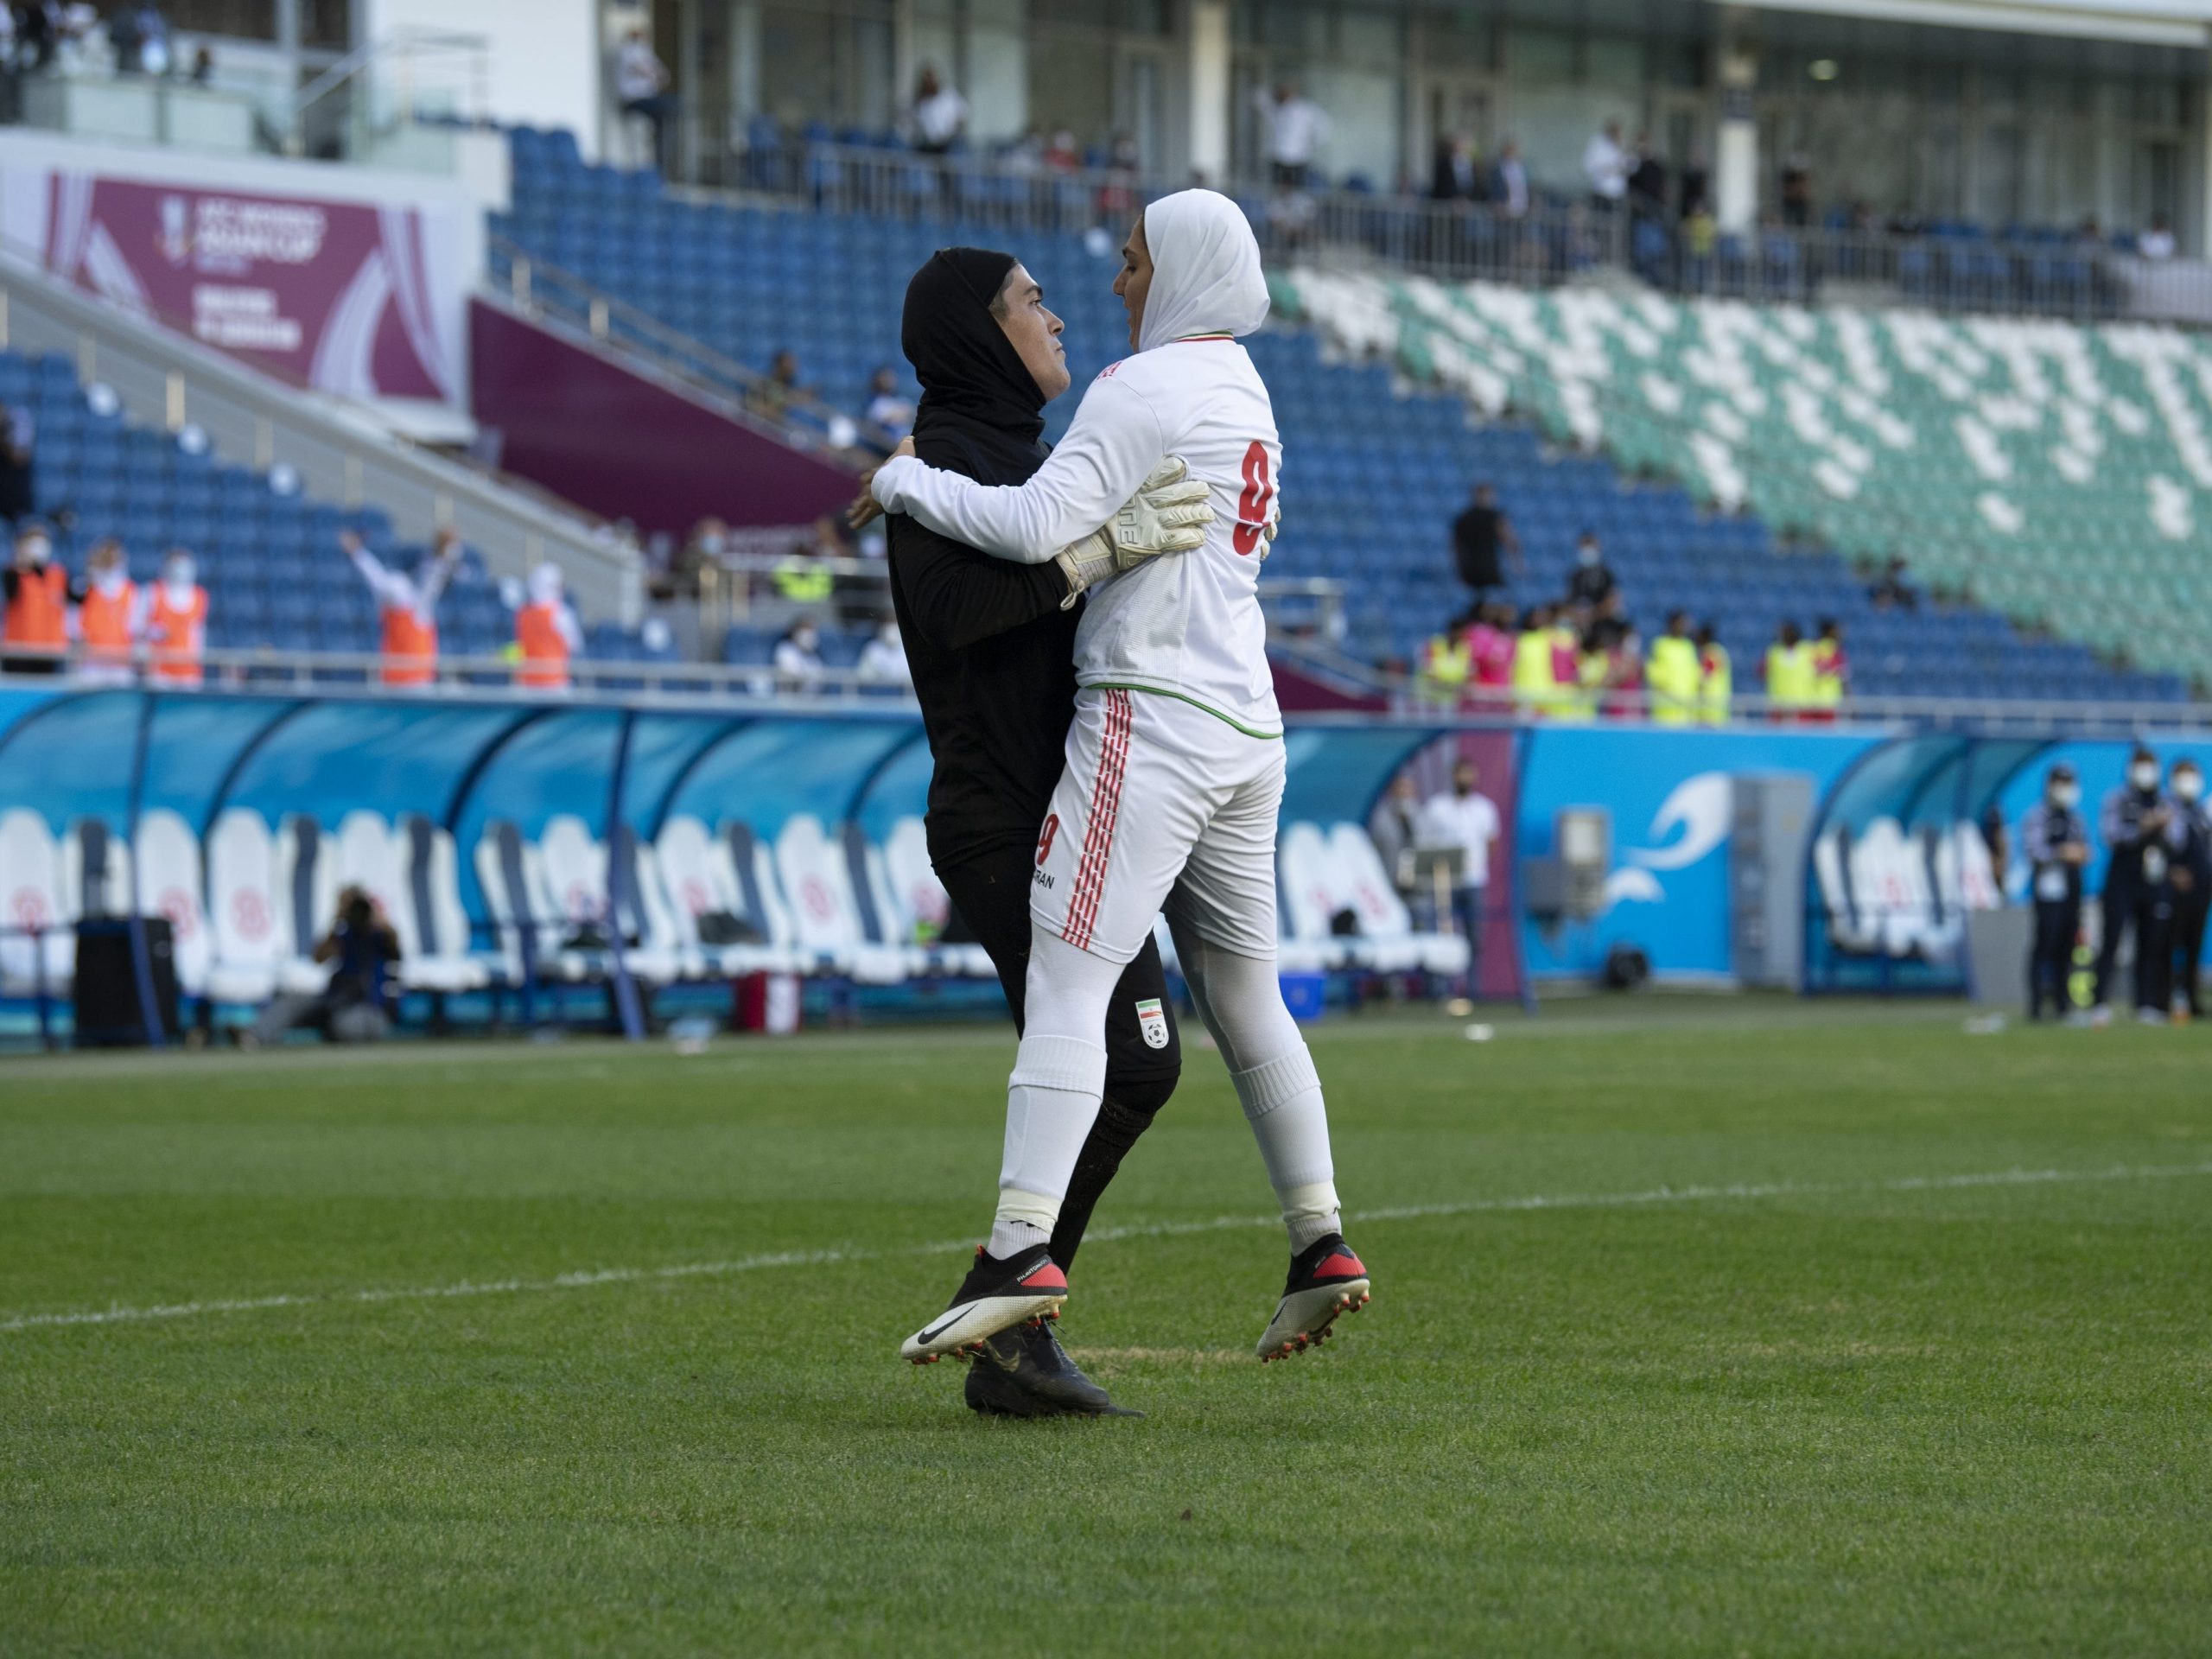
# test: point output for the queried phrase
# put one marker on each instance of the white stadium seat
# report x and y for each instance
(242, 910)
(1306, 901)
(430, 895)
(1386, 940)
(919, 903)
(825, 915)
(168, 858)
(518, 899)
(700, 871)
(37, 944)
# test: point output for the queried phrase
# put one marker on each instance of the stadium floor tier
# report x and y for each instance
(1375, 469)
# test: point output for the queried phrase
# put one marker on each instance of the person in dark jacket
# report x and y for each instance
(1481, 537)
(2136, 892)
(992, 647)
(2055, 835)
(2189, 873)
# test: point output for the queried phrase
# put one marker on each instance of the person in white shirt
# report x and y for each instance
(1292, 131)
(2158, 242)
(883, 659)
(1606, 164)
(1174, 769)
(797, 659)
(890, 413)
(1465, 821)
(1509, 184)
(641, 88)
(940, 114)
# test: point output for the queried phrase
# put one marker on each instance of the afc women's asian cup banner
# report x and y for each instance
(357, 298)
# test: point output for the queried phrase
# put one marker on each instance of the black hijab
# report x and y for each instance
(980, 412)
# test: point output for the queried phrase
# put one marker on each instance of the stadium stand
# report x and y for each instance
(268, 556)
(1989, 453)
(1380, 467)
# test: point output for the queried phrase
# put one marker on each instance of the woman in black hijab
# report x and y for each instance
(993, 655)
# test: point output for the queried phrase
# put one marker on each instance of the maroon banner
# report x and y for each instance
(340, 295)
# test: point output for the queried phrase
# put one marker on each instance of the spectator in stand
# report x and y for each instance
(1674, 674)
(36, 627)
(17, 431)
(883, 659)
(1446, 661)
(940, 115)
(1717, 685)
(407, 606)
(1893, 591)
(1606, 164)
(1789, 673)
(1465, 821)
(1395, 827)
(890, 413)
(1117, 197)
(641, 89)
(1454, 176)
(203, 67)
(1797, 191)
(779, 391)
(1534, 684)
(140, 36)
(800, 576)
(1293, 131)
(1831, 671)
(109, 617)
(1062, 155)
(1490, 643)
(1647, 182)
(39, 31)
(1570, 628)
(1590, 583)
(1621, 660)
(547, 633)
(1696, 183)
(175, 625)
(2089, 235)
(706, 545)
(798, 658)
(1508, 183)
(1479, 536)
(2158, 242)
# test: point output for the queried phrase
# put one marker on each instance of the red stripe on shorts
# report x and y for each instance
(1099, 833)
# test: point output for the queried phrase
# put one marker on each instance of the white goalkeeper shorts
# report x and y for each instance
(1160, 806)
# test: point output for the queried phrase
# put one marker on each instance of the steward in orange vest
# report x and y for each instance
(408, 607)
(34, 626)
(546, 631)
(176, 622)
(108, 617)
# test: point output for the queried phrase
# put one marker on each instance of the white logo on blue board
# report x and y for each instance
(1700, 808)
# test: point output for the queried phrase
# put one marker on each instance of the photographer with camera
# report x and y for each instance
(356, 1006)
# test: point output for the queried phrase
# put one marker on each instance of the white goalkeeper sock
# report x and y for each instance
(1052, 1095)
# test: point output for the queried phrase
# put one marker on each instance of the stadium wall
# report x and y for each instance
(575, 420)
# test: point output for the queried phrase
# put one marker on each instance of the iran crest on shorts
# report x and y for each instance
(1151, 1019)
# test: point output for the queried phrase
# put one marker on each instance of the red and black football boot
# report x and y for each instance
(993, 1295)
(1326, 1280)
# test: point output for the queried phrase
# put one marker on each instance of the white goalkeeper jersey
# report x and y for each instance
(1186, 625)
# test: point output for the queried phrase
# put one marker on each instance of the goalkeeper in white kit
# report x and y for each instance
(1174, 771)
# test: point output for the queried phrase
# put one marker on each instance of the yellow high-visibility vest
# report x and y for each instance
(1717, 687)
(1675, 677)
(1789, 675)
(1448, 660)
(1827, 674)
(1533, 685)
(801, 581)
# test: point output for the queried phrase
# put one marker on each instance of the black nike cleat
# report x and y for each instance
(1024, 1372)
(993, 1295)
(1326, 1280)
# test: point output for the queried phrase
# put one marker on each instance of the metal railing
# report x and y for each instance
(1397, 697)
(165, 380)
(389, 84)
(1557, 239)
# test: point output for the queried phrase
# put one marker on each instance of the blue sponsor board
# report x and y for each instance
(1670, 794)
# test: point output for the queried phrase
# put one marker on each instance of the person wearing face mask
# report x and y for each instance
(2190, 840)
(1590, 582)
(2056, 837)
(175, 627)
(797, 659)
(883, 659)
(2136, 894)
(35, 629)
(110, 617)
(547, 633)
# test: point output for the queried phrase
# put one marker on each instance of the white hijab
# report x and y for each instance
(546, 584)
(1206, 269)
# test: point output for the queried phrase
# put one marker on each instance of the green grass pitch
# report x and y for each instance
(1719, 1328)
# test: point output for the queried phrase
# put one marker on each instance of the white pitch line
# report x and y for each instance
(589, 1280)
